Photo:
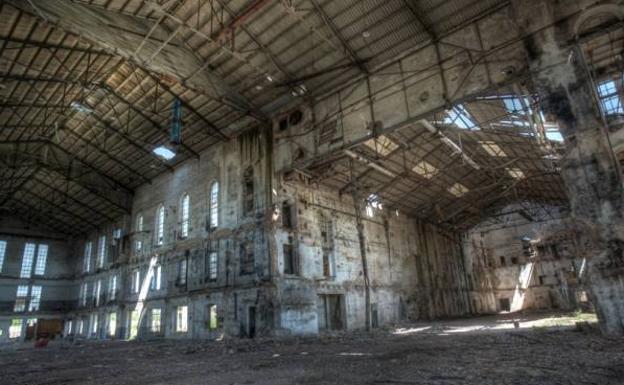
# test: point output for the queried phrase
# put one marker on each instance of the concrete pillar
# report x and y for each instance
(589, 168)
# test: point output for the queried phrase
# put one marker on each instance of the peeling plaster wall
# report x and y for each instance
(233, 291)
(415, 269)
(543, 272)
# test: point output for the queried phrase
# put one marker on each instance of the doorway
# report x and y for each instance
(251, 322)
(330, 312)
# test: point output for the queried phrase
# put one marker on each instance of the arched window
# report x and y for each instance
(185, 215)
(139, 230)
(160, 225)
(214, 204)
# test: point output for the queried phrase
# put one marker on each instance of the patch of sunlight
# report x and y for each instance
(524, 281)
(138, 311)
(404, 331)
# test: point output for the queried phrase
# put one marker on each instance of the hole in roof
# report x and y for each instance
(381, 145)
(164, 152)
(460, 117)
(425, 169)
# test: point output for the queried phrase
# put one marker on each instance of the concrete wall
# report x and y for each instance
(415, 269)
(531, 264)
(58, 287)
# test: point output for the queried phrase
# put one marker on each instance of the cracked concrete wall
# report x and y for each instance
(589, 168)
(415, 269)
(525, 264)
(232, 291)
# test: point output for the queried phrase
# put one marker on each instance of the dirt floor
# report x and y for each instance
(544, 349)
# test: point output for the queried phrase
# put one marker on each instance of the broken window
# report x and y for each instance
(27, 260)
(181, 279)
(248, 191)
(211, 266)
(182, 319)
(503, 261)
(185, 215)
(86, 263)
(155, 321)
(246, 258)
(372, 203)
(20, 298)
(609, 98)
(139, 229)
(42, 258)
(460, 117)
(160, 225)
(214, 205)
(212, 317)
(101, 251)
(527, 250)
(2, 252)
(15, 330)
(35, 298)
(514, 260)
(286, 215)
(291, 265)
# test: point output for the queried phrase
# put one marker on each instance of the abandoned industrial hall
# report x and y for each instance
(311, 191)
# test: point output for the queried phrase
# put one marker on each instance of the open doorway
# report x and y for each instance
(330, 312)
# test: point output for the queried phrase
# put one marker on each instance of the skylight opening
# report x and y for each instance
(609, 98)
(492, 148)
(458, 190)
(516, 105)
(425, 169)
(460, 117)
(516, 173)
(381, 145)
(164, 152)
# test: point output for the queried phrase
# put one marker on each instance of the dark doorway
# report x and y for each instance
(504, 304)
(251, 329)
(330, 314)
